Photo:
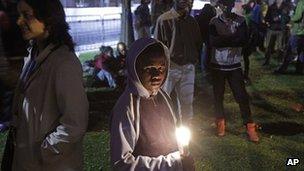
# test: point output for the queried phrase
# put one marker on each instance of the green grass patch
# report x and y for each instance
(87, 56)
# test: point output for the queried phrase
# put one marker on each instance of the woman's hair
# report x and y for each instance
(52, 14)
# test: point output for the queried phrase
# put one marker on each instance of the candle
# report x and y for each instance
(183, 136)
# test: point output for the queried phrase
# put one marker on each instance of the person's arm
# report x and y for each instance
(199, 39)
(241, 36)
(138, 18)
(268, 15)
(299, 13)
(123, 142)
(73, 107)
(159, 31)
(217, 40)
(237, 39)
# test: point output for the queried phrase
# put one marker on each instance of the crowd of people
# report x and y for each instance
(48, 118)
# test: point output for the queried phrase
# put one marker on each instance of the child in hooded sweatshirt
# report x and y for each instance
(143, 123)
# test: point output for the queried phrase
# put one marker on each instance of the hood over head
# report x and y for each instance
(134, 84)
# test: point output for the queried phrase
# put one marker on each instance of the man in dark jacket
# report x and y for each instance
(181, 34)
(228, 35)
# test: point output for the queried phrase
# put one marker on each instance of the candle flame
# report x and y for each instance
(183, 135)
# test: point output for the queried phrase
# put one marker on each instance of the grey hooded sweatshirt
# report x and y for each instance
(141, 133)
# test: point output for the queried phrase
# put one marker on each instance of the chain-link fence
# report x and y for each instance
(89, 32)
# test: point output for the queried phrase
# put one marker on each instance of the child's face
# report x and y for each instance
(122, 49)
(152, 72)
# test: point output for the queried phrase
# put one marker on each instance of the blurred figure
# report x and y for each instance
(121, 60)
(296, 41)
(248, 49)
(4, 67)
(50, 111)
(254, 18)
(121, 49)
(13, 45)
(203, 20)
(12, 51)
(277, 18)
(143, 20)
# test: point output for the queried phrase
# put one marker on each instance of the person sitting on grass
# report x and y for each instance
(121, 54)
(121, 64)
(142, 122)
(103, 66)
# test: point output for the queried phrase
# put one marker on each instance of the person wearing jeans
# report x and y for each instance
(181, 34)
(181, 80)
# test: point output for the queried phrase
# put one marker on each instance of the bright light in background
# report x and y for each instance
(183, 135)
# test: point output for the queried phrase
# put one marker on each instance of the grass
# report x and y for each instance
(281, 128)
(87, 56)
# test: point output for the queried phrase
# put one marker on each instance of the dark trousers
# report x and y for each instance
(288, 55)
(235, 79)
(247, 51)
(273, 38)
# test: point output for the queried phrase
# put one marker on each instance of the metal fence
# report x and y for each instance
(89, 32)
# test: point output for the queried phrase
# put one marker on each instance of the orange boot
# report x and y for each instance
(252, 133)
(220, 123)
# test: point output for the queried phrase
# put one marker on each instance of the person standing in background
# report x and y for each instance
(158, 7)
(143, 20)
(296, 41)
(181, 34)
(228, 35)
(277, 18)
